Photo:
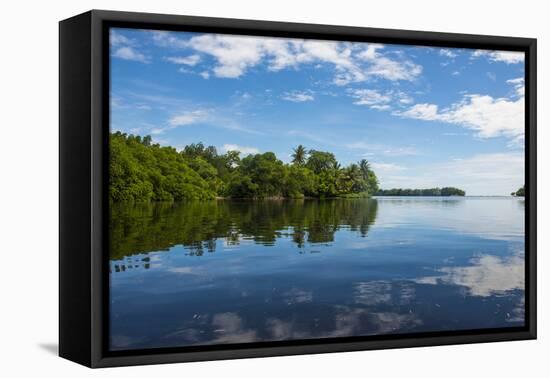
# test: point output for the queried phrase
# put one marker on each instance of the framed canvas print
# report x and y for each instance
(233, 188)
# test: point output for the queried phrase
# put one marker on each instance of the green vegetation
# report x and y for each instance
(438, 192)
(145, 172)
(520, 192)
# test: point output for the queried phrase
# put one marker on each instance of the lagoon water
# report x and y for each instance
(234, 271)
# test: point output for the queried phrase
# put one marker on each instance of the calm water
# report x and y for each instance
(233, 271)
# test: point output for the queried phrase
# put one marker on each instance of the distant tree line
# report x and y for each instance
(143, 172)
(437, 192)
(520, 192)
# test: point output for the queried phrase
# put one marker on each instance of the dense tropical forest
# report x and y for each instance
(141, 171)
(437, 192)
(520, 192)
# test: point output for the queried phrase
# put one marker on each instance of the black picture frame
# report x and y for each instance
(83, 180)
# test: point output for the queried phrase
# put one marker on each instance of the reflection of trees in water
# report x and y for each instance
(197, 225)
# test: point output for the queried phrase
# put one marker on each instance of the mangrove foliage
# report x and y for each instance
(141, 171)
(519, 193)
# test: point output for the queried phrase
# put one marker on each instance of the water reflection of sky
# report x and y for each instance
(421, 267)
(469, 215)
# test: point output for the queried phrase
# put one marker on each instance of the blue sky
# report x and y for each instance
(422, 116)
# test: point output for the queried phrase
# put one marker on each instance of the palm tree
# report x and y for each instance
(365, 167)
(353, 170)
(299, 155)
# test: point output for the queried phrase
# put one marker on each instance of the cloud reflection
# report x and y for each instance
(230, 329)
(488, 275)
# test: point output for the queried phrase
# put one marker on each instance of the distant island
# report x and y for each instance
(519, 193)
(436, 192)
(141, 171)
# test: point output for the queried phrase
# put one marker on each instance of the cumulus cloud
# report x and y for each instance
(242, 149)
(426, 112)
(117, 39)
(380, 100)
(519, 85)
(369, 97)
(387, 167)
(125, 48)
(129, 53)
(387, 68)
(167, 39)
(190, 60)
(508, 57)
(188, 118)
(298, 96)
(236, 55)
(448, 53)
(487, 116)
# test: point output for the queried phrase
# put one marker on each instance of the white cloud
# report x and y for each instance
(370, 53)
(387, 167)
(381, 107)
(188, 118)
(382, 149)
(519, 85)
(387, 68)
(167, 39)
(488, 116)
(236, 55)
(448, 53)
(378, 100)
(190, 60)
(404, 98)
(427, 112)
(298, 96)
(369, 97)
(242, 149)
(205, 75)
(125, 48)
(157, 131)
(117, 39)
(508, 57)
(129, 53)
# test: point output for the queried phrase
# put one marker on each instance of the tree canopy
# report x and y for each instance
(143, 172)
(520, 192)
